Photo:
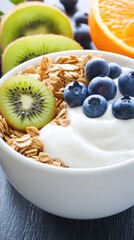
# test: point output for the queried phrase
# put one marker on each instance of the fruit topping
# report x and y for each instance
(81, 17)
(103, 86)
(123, 108)
(25, 102)
(115, 70)
(82, 35)
(75, 93)
(94, 106)
(96, 67)
(126, 83)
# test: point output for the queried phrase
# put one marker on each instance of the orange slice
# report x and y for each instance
(112, 25)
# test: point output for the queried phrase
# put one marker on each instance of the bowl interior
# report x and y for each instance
(110, 57)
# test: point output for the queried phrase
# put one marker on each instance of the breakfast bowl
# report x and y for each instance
(79, 192)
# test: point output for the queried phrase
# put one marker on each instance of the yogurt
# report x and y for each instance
(90, 142)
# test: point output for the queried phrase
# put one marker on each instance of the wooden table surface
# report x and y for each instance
(21, 220)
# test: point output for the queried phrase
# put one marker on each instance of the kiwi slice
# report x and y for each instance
(0, 62)
(25, 101)
(32, 18)
(29, 47)
(17, 1)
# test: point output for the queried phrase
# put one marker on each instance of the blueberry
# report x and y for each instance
(96, 67)
(123, 108)
(103, 86)
(81, 17)
(82, 35)
(75, 93)
(94, 106)
(69, 4)
(115, 70)
(126, 83)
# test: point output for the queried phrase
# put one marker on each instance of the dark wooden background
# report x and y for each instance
(21, 220)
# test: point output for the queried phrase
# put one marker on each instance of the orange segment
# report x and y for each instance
(128, 33)
(112, 25)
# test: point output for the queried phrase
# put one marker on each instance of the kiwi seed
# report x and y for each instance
(25, 102)
(29, 47)
(32, 18)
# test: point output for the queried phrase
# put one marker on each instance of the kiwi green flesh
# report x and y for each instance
(25, 102)
(30, 47)
(0, 62)
(37, 27)
(33, 18)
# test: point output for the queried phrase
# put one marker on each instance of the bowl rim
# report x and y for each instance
(35, 164)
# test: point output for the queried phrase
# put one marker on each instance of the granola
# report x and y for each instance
(54, 75)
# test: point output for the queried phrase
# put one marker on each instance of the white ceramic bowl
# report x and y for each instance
(69, 192)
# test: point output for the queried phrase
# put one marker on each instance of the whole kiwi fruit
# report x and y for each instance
(25, 101)
(29, 47)
(31, 18)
